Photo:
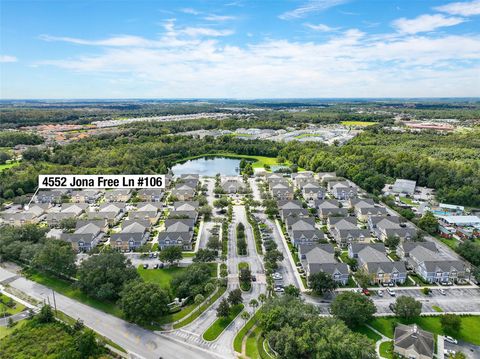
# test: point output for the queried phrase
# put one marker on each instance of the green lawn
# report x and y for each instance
(8, 165)
(368, 332)
(305, 135)
(407, 200)
(237, 342)
(4, 331)
(220, 324)
(162, 276)
(470, 331)
(451, 242)
(67, 289)
(437, 308)
(9, 310)
(386, 349)
(253, 341)
(202, 309)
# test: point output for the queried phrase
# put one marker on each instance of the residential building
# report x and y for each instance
(342, 190)
(300, 179)
(282, 191)
(86, 236)
(312, 191)
(391, 226)
(134, 234)
(365, 207)
(178, 232)
(150, 194)
(412, 342)
(112, 212)
(184, 192)
(317, 258)
(233, 185)
(345, 230)
(149, 211)
(403, 186)
(67, 210)
(118, 195)
(329, 208)
(86, 196)
(50, 196)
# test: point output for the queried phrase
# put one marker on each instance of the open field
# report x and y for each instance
(8, 165)
(358, 123)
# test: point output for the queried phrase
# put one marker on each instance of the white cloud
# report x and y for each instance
(8, 58)
(321, 27)
(350, 64)
(461, 8)
(219, 18)
(425, 23)
(312, 6)
(189, 10)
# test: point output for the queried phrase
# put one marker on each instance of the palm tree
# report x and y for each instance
(245, 315)
(254, 303)
(262, 298)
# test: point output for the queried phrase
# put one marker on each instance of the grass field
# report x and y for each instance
(162, 276)
(220, 324)
(8, 165)
(253, 341)
(237, 342)
(304, 135)
(368, 332)
(67, 289)
(357, 123)
(6, 309)
(4, 331)
(386, 349)
(470, 331)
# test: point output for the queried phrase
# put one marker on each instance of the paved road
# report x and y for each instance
(136, 340)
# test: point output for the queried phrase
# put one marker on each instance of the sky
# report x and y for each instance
(239, 49)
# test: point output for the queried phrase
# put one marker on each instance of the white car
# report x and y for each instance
(391, 292)
(448, 352)
(442, 292)
(451, 340)
(380, 293)
(279, 290)
(277, 276)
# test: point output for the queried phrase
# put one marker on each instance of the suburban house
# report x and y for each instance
(86, 236)
(329, 207)
(149, 211)
(299, 223)
(34, 214)
(345, 230)
(403, 186)
(134, 234)
(312, 191)
(51, 196)
(282, 191)
(112, 212)
(404, 248)
(326, 176)
(433, 268)
(233, 185)
(391, 226)
(366, 207)
(317, 258)
(294, 212)
(300, 179)
(86, 196)
(342, 189)
(68, 210)
(413, 342)
(178, 232)
(373, 259)
(188, 209)
(275, 178)
(150, 194)
(118, 195)
(306, 236)
(184, 192)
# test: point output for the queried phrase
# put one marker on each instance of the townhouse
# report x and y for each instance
(317, 258)
(148, 211)
(391, 226)
(342, 190)
(134, 234)
(112, 212)
(329, 207)
(345, 230)
(86, 196)
(312, 191)
(118, 195)
(87, 235)
(364, 207)
(150, 194)
(178, 232)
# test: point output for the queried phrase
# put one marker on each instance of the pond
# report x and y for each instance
(208, 166)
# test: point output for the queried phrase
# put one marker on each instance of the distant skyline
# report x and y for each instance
(239, 49)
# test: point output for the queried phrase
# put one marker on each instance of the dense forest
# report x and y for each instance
(13, 138)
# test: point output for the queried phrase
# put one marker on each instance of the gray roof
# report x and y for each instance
(326, 203)
(386, 267)
(91, 227)
(289, 204)
(361, 202)
(134, 225)
(372, 210)
(296, 212)
(313, 234)
(317, 253)
(404, 186)
(185, 205)
(370, 254)
(179, 225)
(386, 221)
(357, 247)
(413, 338)
(300, 223)
(409, 246)
(183, 214)
(149, 206)
(343, 222)
(185, 237)
(329, 268)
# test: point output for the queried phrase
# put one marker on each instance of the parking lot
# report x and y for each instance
(471, 351)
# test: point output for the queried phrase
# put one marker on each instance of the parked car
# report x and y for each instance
(254, 279)
(448, 352)
(451, 340)
(279, 290)
(442, 292)
(155, 266)
(277, 276)
(391, 292)
(145, 266)
(366, 291)
(391, 306)
(380, 293)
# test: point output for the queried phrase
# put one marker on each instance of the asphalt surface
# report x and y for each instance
(139, 342)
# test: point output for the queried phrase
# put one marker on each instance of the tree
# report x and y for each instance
(428, 223)
(86, 344)
(321, 283)
(262, 298)
(245, 315)
(192, 281)
(103, 276)
(209, 288)
(4, 157)
(407, 307)
(221, 203)
(457, 355)
(271, 259)
(214, 243)
(171, 254)
(143, 302)
(57, 258)
(199, 299)
(205, 211)
(363, 278)
(354, 309)
(46, 314)
(204, 255)
(235, 297)
(292, 291)
(68, 223)
(253, 303)
(451, 323)
(392, 242)
(245, 275)
(223, 309)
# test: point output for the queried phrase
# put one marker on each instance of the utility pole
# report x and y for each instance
(54, 302)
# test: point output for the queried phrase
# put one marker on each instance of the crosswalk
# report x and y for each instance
(193, 338)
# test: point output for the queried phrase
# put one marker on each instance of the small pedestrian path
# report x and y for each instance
(379, 342)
